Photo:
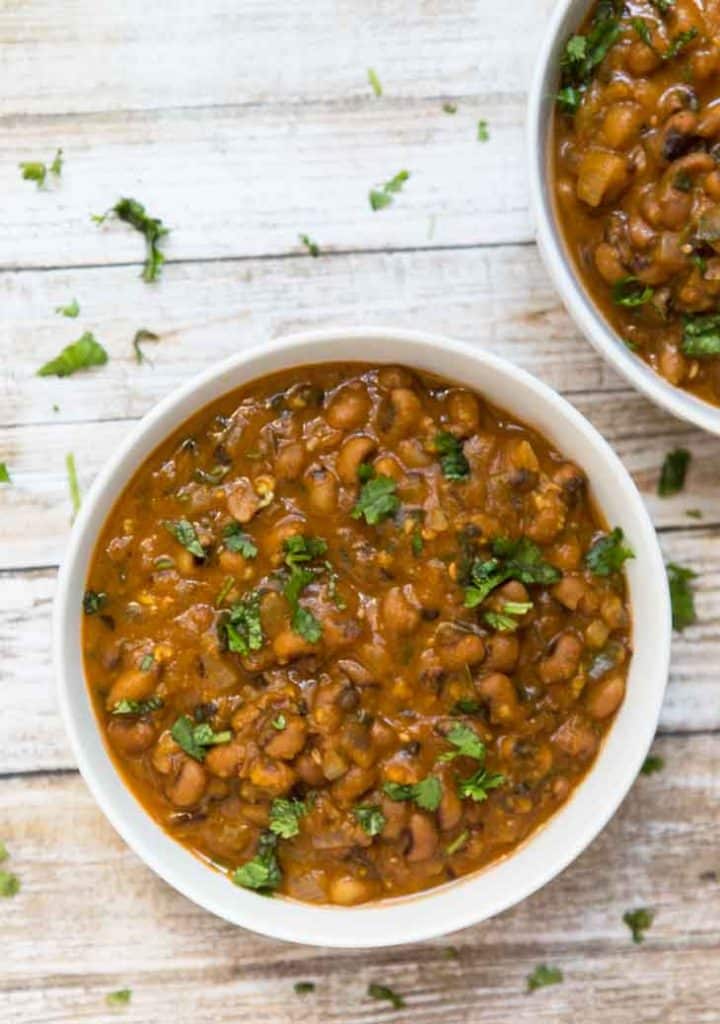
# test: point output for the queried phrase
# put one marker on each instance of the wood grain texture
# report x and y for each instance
(200, 969)
(219, 52)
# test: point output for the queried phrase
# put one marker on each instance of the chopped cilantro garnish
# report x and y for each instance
(34, 170)
(583, 54)
(457, 843)
(383, 992)
(300, 549)
(137, 707)
(239, 542)
(638, 921)
(512, 560)
(9, 884)
(79, 355)
(141, 336)
(681, 595)
(184, 533)
(427, 793)
(377, 500)
(631, 292)
(384, 195)
(701, 336)
(542, 976)
(453, 462)
(371, 819)
(505, 620)
(195, 739)
(133, 213)
(467, 743)
(303, 987)
(466, 706)
(608, 554)
(285, 817)
(642, 29)
(4, 474)
(416, 542)
(120, 998)
(672, 474)
(679, 43)
(374, 82)
(450, 108)
(483, 132)
(93, 601)
(72, 309)
(312, 247)
(652, 764)
(73, 485)
(262, 873)
(243, 627)
(476, 786)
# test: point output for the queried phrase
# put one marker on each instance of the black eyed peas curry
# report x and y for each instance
(637, 174)
(353, 632)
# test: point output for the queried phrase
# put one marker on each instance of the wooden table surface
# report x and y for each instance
(243, 123)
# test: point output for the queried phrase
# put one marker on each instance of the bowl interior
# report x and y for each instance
(474, 897)
(567, 17)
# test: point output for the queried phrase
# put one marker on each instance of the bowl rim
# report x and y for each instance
(565, 18)
(473, 897)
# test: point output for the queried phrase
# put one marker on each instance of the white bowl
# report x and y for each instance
(475, 897)
(566, 19)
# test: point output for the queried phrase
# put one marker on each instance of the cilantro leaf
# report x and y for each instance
(638, 921)
(306, 624)
(153, 230)
(449, 107)
(476, 786)
(631, 292)
(457, 843)
(4, 474)
(383, 992)
(467, 744)
(583, 54)
(73, 485)
(312, 247)
(377, 500)
(9, 884)
(195, 739)
(679, 43)
(652, 764)
(608, 554)
(243, 626)
(300, 549)
(542, 976)
(137, 707)
(374, 82)
(642, 29)
(34, 170)
(303, 987)
(79, 355)
(239, 542)
(285, 817)
(452, 462)
(483, 132)
(141, 336)
(466, 706)
(672, 474)
(512, 560)
(120, 998)
(279, 722)
(681, 595)
(262, 873)
(370, 818)
(383, 195)
(184, 533)
(701, 336)
(72, 309)
(427, 793)
(93, 601)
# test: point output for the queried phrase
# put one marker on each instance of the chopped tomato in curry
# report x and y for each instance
(353, 632)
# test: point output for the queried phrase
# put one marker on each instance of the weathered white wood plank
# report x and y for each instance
(210, 52)
(245, 181)
(32, 736)
(129, 928)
